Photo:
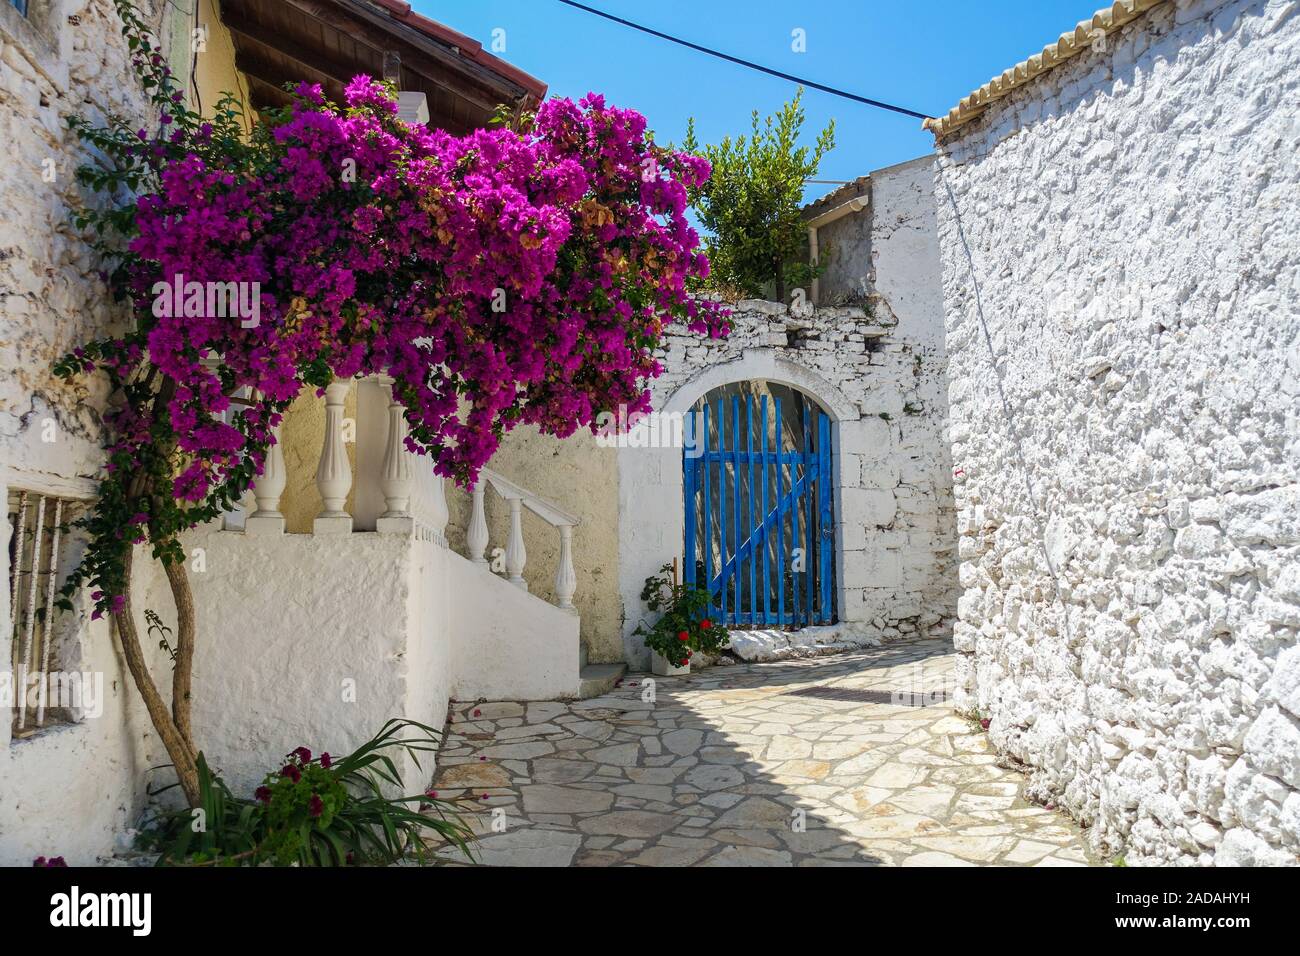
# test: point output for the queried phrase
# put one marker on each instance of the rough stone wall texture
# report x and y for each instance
(66, 59)
(1125, 429)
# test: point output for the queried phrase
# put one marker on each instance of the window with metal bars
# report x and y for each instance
(38, 560)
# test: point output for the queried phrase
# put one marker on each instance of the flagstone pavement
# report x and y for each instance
(835, 761)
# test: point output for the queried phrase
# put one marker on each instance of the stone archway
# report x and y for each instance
(651, 506)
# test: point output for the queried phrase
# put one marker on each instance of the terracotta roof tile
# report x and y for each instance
(468, 47)
(1076, 41)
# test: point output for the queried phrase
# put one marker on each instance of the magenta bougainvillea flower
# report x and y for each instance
(509, 276)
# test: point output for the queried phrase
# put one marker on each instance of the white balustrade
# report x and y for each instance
(334, 474)
(476, 538)
(566, 579)
(268, 490)
(395, 481)
(516, 555)
(413, 497)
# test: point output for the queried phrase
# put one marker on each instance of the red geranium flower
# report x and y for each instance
(683, 636)
(292, 772)
(706, 623)
(316, 806)
(303, 754)
(263, 794)
(325, 760)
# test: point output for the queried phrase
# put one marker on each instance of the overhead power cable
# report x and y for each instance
(747, 63)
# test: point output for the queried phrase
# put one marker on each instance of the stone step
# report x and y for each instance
(597, 679)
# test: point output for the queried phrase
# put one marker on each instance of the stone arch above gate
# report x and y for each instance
(769, 365)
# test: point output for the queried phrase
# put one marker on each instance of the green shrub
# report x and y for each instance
(752, 204)
(684, 627)
(314, 811)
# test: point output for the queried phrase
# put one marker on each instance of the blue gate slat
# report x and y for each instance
(780, 521)
(753, 555)
(825, 522)
(707, 543)
(736, 576)
(689, 467)
(722, 507)
(810, 546)
(767, 568)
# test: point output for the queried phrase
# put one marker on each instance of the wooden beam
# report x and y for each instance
(420, 54)
(251, 64)
(253, 36)
(265, 94)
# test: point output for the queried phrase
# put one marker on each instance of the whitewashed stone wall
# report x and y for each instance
(69, 789)
(879, 372)
(1125, 430)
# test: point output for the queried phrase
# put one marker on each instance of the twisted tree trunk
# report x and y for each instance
(178, 744)
(183, 666)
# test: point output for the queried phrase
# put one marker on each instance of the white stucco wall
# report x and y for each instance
(317, 640)
(1126, 429)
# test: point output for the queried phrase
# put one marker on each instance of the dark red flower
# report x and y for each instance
(706, 623)
(984, 723)
(263, 794)
(292, 772)
(325, 760)
(477, 713)
(54, 861)
(315, 806)
(683, 636)
(303, 755)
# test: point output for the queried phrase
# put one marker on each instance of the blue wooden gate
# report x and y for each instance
(759, 531)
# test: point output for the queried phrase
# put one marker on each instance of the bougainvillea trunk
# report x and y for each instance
(179, 747)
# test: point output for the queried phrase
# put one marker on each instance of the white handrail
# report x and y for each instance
(551, 513)
(519, 497)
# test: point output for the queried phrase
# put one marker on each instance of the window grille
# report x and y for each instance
(38, 542)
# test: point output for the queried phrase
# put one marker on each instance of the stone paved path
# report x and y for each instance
(803, 763)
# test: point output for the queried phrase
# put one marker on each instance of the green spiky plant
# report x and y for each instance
(315, 811)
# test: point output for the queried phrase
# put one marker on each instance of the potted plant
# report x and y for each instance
(684, 626)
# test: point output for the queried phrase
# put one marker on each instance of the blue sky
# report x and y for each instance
(921, 54)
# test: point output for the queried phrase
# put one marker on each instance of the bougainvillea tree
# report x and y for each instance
(514, 275)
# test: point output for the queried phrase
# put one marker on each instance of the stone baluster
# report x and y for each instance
(334, 474)
(476, 538)
(267, 491)
(566, 579)
(395, 480)
(516, 555)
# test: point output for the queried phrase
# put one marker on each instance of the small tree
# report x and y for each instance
(751, 204)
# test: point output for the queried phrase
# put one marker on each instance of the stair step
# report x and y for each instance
(597, 679)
